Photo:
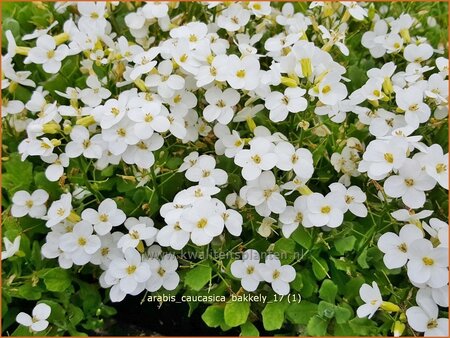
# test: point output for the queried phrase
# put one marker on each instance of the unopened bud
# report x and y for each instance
(387, 86)
(399, 328)
(289, 82)
(390, 307)
(306, 67)
(51, 128)
(405, 35)
(55, 142)
(304, 190)
(140, 84)
(61, 38)
(251, 124)
(73, 217)
(86, 121)
(22, 50)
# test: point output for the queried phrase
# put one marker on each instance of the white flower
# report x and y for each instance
(203, 222)
(47, 54)
(80, 243)
(372, 298)
(280, 105)
(371, 39)
(418, 53)
(59, 210)
(292, 216)
(82, 143)
(355, 10)
(243, 73)
(144, 63)
(129, 270)
(259, 157)
(411, 101)
(56, 168)
(94, 95)
(353, 198)
(233, 18)
(265, 229)
(107, 216)
(163, 273)
(136, 233)
(330, 91)
(173, 235)
(165, 82)
(436, 164)
(247, 270)
(12, 107)
(278, 275)
(263, 193)
(300, 160)
(381, 157)
(32, 205)
(323, 210)
(221, 104)
(424, 318)
(205, 172)
(410, 184)
(10, 247)
(38, 321)
(395, 247)
(427, 264)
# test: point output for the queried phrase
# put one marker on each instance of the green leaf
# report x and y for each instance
(345, 244)
(285, 248)
(273, 315)
(309, 283)
(29, 292)
(319, 267)
(236, 313)
(326, 309)
(328, 291)
(249, 330)
(198, 277)
(18, 176)
(342, 314)
(57, 280)
(303, 237)
(75, 314)
(21, 331)
(363, 326)
(317, 326)
(297, 283)
(362, 259)
(300, 313)
(213, 315)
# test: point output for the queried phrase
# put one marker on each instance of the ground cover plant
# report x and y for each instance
(254, 167)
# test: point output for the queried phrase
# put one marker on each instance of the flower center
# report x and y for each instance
(202, 223)
(198, 193)
(221, 104)
(376, 92)
(389, 157)
(193, 38)
(29, 204)
(183, 58)
(131, 269)
(267, 193)
(413, 107)
(86, 144)
(94, 15)
(432, 324)
(103, 218)
(250, 270)
(60, 212)
(349, 199)
(428, 261)
(256, 159)
(134, 234)
(403, 247)
(276, 274)
(104, 251)
(115, 111)
(294, 158)
(206, 173)
(161, 272)
(325, 209)
(177, 99)
(257, 7)
(82, 241)
(240, 73)
(440, 168)
(148, 118)
(299, 217)
(50, 54)
(238, 143)
(409, 182)
(326, 89)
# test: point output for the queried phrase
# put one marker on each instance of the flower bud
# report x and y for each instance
(22, 50)
(86, 121)
(390, 307)
(306, 67)
(287, 81)
(51, 128)
(140, 84)
(73, 217)
(304, 190)
(399, 328)
(61, 38)
(251, 124)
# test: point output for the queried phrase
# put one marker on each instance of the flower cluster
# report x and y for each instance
(222, 104)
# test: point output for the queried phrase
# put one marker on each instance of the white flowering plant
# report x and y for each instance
(282, 168)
